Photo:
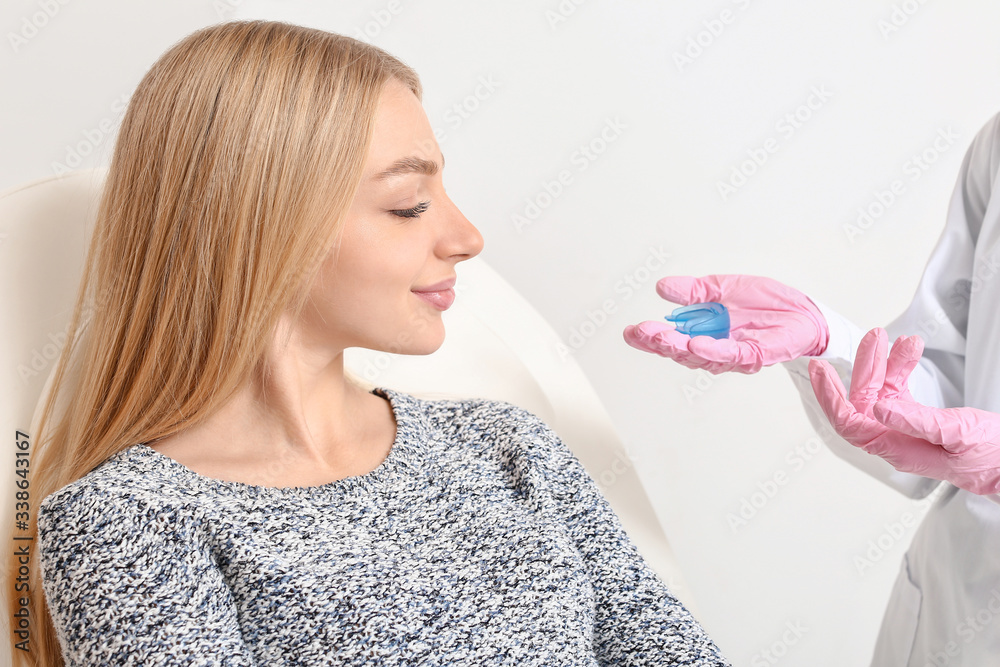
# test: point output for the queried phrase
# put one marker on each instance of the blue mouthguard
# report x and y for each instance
(701, 319)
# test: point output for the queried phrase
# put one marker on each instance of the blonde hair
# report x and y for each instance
(237, 159)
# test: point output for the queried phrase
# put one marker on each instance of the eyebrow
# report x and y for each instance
(407, 165)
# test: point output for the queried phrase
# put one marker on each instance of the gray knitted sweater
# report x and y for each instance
(480, 540)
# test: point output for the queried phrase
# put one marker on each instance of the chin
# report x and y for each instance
(417, 340)
(426, 347)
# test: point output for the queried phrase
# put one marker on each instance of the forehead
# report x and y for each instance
(401, 130)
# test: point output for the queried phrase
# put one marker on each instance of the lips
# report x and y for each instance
(440, 300)
(437, 287)
(440, 295)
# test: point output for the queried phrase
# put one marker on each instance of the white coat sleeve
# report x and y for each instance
(939, 314)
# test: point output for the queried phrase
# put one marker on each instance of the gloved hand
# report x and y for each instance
(958, 445)
(769, 323)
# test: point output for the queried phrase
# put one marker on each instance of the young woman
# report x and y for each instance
(220, 491)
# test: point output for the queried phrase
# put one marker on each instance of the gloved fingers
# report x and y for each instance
(651, 328)
(903, 358)
(662, 339)
(686, 290)
(868, 375)
(955, 429)
(743, 356)
(641, 336)
(832, 397)
(854, 427)
(825, 382)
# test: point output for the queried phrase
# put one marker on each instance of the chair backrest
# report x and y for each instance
(496, 346)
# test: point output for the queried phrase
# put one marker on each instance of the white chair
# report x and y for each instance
(496, 346)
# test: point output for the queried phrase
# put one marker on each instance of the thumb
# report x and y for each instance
(686, 290)
(830, 393)
(955, 429)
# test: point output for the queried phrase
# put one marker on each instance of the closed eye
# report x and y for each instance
(412, 212)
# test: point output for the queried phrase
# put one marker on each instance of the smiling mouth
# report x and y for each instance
(441, 299)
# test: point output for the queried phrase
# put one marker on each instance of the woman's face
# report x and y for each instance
(402, 235)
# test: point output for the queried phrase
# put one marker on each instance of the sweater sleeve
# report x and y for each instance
(127, 582)
(638, 620)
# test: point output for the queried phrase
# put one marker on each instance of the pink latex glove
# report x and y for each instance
(957, 445)
(769, 323)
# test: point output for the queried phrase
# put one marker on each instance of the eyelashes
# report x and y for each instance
(412, 212)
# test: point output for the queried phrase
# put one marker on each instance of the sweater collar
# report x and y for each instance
(406, 463)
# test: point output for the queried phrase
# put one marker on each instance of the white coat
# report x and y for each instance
(944, 609)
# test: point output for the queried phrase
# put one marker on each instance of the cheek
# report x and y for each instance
(367, 288)
(371, 273)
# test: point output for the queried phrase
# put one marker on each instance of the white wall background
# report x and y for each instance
(884, 78)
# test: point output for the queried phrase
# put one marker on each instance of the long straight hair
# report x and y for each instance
(237, 159)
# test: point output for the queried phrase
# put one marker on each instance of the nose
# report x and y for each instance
(460, 240)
